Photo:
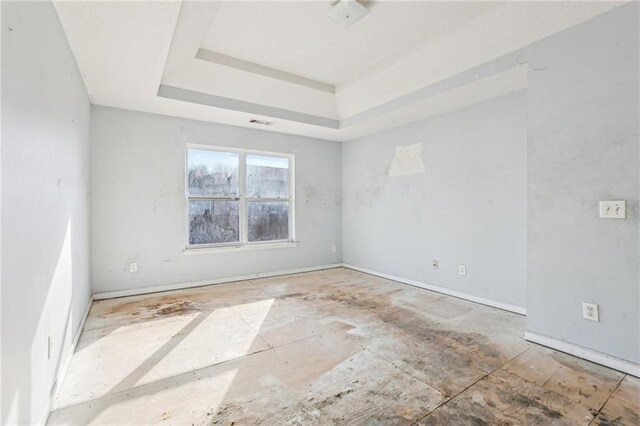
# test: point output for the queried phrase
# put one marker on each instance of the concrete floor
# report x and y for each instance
(328, 347)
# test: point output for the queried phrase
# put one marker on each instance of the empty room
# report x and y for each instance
(344, 212)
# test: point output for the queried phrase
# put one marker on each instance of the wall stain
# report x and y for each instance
(369, 190)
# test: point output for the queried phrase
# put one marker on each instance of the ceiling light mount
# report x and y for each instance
(347, 12)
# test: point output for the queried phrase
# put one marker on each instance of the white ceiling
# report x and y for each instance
(230, 62)
(298, 38)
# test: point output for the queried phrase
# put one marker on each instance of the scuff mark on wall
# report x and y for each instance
(369, 188)
(313, 193)
(316, 196)
(407, 161)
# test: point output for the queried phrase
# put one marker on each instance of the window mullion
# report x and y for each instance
(292, 212)
(242, 180)
(268, 199)
(212, 197)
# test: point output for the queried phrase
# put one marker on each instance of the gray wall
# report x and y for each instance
(583, 147)
(138, 205)
(467, 207)
(582, 116)
(45, 206)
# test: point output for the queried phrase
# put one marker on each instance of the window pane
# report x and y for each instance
(267, 176)
(268, 220)
(213, 221)
(212, 172)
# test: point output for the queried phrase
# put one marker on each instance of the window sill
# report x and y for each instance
(247, 247)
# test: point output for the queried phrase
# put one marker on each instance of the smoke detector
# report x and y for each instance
(347, 12)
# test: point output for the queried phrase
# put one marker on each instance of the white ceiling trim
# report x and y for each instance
(256, 91)
(239, 64)
(201, 98)
(206, 77)
(465, 78)
(472, 92)
(193, 21)
(509, 27)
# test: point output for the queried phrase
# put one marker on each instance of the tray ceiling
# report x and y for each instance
(230, 62)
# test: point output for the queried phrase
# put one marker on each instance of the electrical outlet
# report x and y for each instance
(133, 267)
(590, 311)
(334, 248)
(462, 270)
(613, 209)
(434, 263)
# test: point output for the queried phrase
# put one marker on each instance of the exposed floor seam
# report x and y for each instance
(401, 369)
(481, 378)
(595, 416)
(254, 330)
(544, 386)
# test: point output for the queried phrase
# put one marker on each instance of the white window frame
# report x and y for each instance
(242, 199)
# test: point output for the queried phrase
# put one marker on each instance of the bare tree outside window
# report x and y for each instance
(268, 221)
(212, 172)
(213, 221)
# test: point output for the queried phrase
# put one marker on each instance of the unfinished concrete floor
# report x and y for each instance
(327, 347)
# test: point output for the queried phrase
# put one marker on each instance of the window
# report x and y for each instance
(237, 197)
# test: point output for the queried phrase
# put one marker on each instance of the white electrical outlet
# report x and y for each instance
(590, 311)
(613, 209)
(133, 267)
(434, 263)
(334, 248)
(462, 270)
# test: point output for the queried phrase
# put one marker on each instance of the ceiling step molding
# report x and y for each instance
(251, 67)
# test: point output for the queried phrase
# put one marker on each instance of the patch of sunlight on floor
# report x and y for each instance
(184, 400)
(164, 347)
(254, 313)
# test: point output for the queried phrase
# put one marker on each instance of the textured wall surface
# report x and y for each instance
(45, 206)
(451, 188)
(583, 147)
(139, 204)
(468, 206)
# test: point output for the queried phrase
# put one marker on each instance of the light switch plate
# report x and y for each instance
(613, 209)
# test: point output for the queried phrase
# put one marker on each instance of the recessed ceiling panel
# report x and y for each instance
(298, 37)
